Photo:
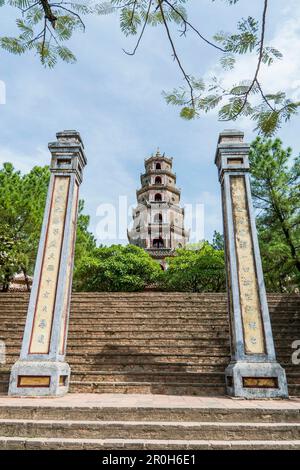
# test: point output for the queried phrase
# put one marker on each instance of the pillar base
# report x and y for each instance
(256, 380)
(39, 379)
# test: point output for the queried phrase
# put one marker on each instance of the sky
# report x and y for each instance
(115, 102)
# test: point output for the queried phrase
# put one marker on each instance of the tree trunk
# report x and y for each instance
(26, 279)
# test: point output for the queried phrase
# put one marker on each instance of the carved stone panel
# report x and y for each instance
(248, 289)
(45, 304)
(67, 293)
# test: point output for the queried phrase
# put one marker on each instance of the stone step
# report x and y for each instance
(6, 328)
(196, 357)
(188, 334)
(266, 412)
(142, 377)
(159, 347)
(161, 328)
(214, 350)
(158, 343)
(149, 430)
(154, 351)
(293, 378)
(213, 337)
(149, 368)
(116, 376)
(173, 388)
(153, 320)
(121, 309)
(150, 294)
(28, 443)
(146, 367)
(180, 299)
(193, 342)
(166, 296)
(122, 305)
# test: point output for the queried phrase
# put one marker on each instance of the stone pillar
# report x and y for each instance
(253, 371)
(41, 369)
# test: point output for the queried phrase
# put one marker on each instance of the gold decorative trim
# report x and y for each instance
(70, 258)
(260, 382)
(62, 380)
(235, 161)
(46, 297)
(34, 381)
(248, 289)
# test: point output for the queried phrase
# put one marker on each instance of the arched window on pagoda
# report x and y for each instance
(158, 180)
(158, 243)
(158, 166)
(157, 197)
(158, 218)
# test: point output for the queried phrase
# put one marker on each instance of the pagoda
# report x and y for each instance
(158, 219)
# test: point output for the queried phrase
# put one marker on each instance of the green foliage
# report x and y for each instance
(22, 201)
(200, 270)
(275, 188)
(44, 26)
(268, 112)
(245, 40)
(218, 241)
(85, 243)
(116, 268)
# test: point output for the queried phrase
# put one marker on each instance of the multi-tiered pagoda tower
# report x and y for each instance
(158, 219)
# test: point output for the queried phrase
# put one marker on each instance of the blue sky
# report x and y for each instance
(115, 102)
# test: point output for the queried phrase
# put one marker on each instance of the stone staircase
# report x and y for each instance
(152, 342)
(158, 422)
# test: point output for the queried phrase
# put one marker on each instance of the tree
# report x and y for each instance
(275, 188)
(218, 241)
(197, 96)
(22, 201)
(9, 255)
(85, 245)
(117, 268)
(201, 270)
(45, 25)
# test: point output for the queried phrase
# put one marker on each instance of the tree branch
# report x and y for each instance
(187, 23)
(186, 77)
(142, 32)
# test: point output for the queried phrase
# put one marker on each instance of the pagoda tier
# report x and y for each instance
(158, 219)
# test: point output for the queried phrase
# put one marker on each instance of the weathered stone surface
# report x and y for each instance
(253, 371)
(86, 421)
(112, 349)
(41, 368)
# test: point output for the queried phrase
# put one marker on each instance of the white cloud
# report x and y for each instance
(23, 162)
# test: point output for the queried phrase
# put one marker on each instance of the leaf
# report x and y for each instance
(129, 21)
(268, 122)
(188, 113)
(209, 102)
(13, 45)
(105, 8)
(65, 54)
(227, 62)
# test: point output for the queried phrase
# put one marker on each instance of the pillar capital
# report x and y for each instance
(67, 154)
(232, 152)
